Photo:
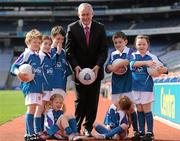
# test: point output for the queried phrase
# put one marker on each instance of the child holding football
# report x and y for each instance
(142, 84)
(121, 74)
(32, 90)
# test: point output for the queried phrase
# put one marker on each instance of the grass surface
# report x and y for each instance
(11, 105)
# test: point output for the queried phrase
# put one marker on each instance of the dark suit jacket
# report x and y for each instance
(77, 51)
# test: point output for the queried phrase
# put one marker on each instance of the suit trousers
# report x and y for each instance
(86, 104)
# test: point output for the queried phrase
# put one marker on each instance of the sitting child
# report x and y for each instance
(58, 125)
(116, 120)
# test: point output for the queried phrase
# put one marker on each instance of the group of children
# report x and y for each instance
(135, 84)
(45, 94)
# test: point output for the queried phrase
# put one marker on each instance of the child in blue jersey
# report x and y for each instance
(142, 84)
(116, 120)
(47, 72)
(121, 84)
(61, 67)
(47, 67)
(58, 125)
(32, 90)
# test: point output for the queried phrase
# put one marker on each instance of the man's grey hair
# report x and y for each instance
(82, 5)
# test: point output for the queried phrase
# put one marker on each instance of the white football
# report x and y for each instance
(154, 71)
(87, 76)
(117, 62)
(27, 69)
(121, 70)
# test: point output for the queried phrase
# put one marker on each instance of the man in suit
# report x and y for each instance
(86, 48)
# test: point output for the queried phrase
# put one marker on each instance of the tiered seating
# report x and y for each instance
(157, 23)
(40, 25)
(8, 26)
(117, 25)
(5, 62)
(44, 26)
(172, 59)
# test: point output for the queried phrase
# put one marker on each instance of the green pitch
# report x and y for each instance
(11, 105)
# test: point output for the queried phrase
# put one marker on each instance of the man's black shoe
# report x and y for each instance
(136, 136)
(87, 133)
(148, 137)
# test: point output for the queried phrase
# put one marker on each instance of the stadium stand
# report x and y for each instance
(159, 19)
(172, 57)
(5, 62)
(8, 26)
(151, 23)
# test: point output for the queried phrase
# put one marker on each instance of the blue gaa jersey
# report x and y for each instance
(47, 70)
(30, 57)
(121, 83)
(141, 81)
(61, 69)
(51, 116)
(115, 118)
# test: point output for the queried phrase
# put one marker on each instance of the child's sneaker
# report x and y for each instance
(41, 136)
(76, 137)
(70, 137)
(77, 134)
(58, 136)
(136, 136)
(79, 138)
(32, 137)
(99, 136)
(148, 137)
(25, 137)
(141, 135)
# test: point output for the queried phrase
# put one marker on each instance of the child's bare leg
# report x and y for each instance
(31, 108)
(147, 107)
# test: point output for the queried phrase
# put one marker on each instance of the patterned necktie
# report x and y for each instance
(87, 35)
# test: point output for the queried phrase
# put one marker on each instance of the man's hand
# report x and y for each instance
(77, 71)
(95, 70)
